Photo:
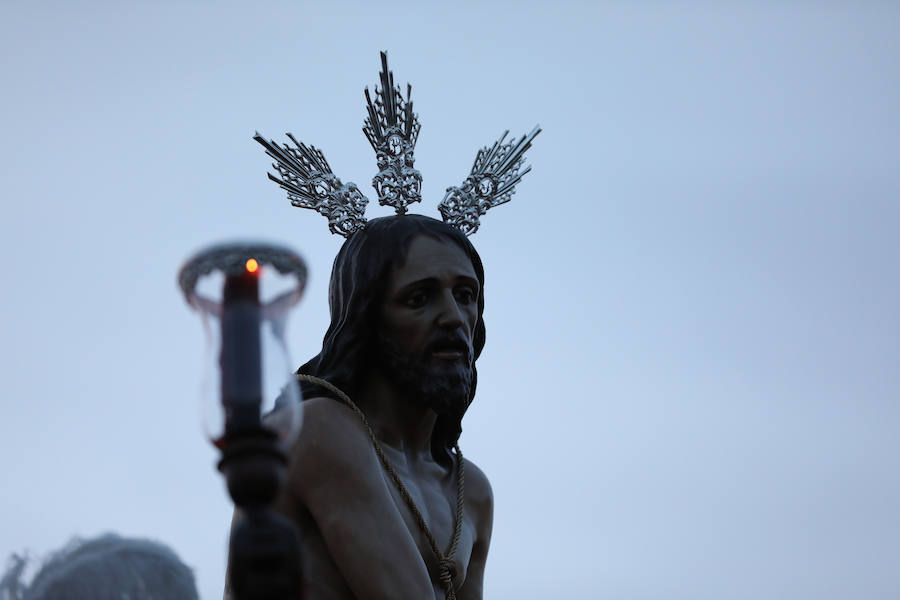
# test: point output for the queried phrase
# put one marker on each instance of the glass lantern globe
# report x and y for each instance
(243, 293)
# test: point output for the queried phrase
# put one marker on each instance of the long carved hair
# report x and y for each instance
(358, 285)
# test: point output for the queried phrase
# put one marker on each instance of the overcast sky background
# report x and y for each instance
(690, 388)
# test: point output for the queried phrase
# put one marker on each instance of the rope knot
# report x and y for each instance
(448, 570)
(448, 574)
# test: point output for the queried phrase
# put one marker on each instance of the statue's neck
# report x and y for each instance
(404, 423)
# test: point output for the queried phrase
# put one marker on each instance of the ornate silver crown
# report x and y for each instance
(393, 128)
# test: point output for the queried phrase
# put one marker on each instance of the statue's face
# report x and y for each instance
(428, 319)
(431, 305)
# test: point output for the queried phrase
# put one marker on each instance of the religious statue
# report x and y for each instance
(385, 503)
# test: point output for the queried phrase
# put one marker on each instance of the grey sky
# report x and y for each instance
(690, 387)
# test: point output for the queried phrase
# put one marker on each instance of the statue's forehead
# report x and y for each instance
(429, 258)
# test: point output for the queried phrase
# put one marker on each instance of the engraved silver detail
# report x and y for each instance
(392, 128)
(492, 182)
(306, 176)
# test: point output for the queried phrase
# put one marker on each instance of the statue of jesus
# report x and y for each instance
(406, 298)
(385, 503)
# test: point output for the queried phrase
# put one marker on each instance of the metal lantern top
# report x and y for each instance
(232, 259)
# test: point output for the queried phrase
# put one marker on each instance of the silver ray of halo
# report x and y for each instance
(309, 182)
(393, 128)
(492, 182)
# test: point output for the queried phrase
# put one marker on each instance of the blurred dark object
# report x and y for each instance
(264, 551)
(252, 431)
(109, 567)
(264, 557)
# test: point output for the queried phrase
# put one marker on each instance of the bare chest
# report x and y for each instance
(432, 493)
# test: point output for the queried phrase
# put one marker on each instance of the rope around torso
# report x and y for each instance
(445, 559)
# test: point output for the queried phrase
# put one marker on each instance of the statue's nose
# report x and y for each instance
(450, 316)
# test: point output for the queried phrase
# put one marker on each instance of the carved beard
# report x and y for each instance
(443, 389)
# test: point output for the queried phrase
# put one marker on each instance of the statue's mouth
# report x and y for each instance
(450, 349)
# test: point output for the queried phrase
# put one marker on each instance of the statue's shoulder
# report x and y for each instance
(323, 408)
(323, 415)
(478, 488)
(479, 503)
(331, 433)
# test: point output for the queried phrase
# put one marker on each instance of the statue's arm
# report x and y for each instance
(481, 497)
(336, 476)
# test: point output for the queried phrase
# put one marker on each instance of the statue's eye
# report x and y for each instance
(417, 299)
(465, 294)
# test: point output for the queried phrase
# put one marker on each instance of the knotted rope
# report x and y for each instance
(447, 568)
